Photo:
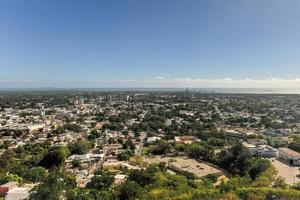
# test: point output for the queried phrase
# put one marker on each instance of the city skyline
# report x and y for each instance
(197, 44)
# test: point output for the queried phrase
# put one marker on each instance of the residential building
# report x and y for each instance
(289, 156)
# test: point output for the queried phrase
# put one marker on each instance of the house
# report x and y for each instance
(289, 156)
(257, 142)
(35, 127)
(185, 139)
(152, 140)
(235, 134)
(120, 179)
(261, 150)
(266, 151)
(86, 158)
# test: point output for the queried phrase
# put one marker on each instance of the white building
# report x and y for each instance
(262, 150)
(152, 140)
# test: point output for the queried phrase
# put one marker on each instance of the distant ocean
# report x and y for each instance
(203, 90)
(254, 90)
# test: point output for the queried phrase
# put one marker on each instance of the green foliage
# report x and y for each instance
(210, 194)
(142, 177)
(295, 145)
(124, 156)
(113, 126)
(75, 163)
(233, 183)
(280, 183)
(73, 127)
(266, 193)
(259, 166)
(94, 135)
(7, 161)
(36, 174)
(161, 147)
(213, 177)
(265, 178)
(87, 194)
(237, 160)
(213, 141)
(129, 145)
(11, 178)
(102, 180)
(129, 190)
(202, 151)
(59, 130)
(53, 187)
(81, 147)
(55, 157)
(138, 127)
(100, 117)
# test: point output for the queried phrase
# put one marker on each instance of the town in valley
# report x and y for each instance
(147, 144)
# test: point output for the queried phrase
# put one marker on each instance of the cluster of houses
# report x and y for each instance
(104, 157)
(35, 125)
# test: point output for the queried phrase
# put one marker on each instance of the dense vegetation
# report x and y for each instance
(156, 183)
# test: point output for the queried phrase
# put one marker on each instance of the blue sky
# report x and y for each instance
(146, 43)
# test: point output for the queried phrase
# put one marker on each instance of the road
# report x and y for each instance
(287, 172)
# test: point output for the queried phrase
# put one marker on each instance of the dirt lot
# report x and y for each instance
(287, 172)
(185, 164)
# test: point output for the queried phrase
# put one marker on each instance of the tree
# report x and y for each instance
(234, 183)
(102, 180)
(111, 140)
(36, 174)
(100, 117)
(54, 157)
(259, 166)
(94, 134)
(73, 127)
(200, 151)
(237, 160)
(75, 163)
(280, 183)
(265, 178)
(124, 156)
(295, 145)
(216, 142)
(11, 178)
(79, 194)
(129, 145)
(53, 187)
(129, 190)
(208, 194)
(81, 147)
(161, 147)
(142, 177)
(7, 160)
(59, 130)
(88, 194)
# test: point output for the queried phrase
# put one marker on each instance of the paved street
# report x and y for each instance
(287, 172)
